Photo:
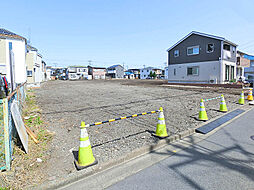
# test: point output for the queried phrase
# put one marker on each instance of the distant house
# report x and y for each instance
(35, 66)
(136, 73)
(129, 75)
(48, 72)
(241, 63)
(97, 72)
(145, 72)
(115, 71)
(78, 72)
(202, 58)
(13, 57)
(43, 73)
(249, 71)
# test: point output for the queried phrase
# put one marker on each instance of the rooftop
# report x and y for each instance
(202, 34)
(7, 34)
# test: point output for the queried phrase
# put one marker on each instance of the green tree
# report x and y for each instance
(151, 74)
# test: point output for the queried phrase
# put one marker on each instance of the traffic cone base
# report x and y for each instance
(202, 113)
(85, 153)
(79, 167)
(223, 106)
(161, 130)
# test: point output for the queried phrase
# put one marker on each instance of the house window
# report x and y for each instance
(192, 70)
(193, 50)
(147, 70)
(174, 71)
(176, 53)
(232, 72)
(227, 73)
(29, 73)
(226, 47)
(210, 48)
(144, 75)
(233, 49)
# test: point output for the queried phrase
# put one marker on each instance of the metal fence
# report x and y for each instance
(7, 127)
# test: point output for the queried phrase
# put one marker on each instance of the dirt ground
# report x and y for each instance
(65, 104)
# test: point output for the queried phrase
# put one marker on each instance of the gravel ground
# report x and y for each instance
(65, 104)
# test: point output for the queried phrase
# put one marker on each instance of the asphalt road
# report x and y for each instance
(224, 160)
(221, 159)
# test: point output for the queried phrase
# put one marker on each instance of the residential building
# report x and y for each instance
(78, 72)
(136, 73)
(166, 73)
(97, 72)
(35, 66)
(249, 71)
(158, 72)
(129, 75)
(241, 63)
(202, 58)
(48, 72)
(115, 71)
(43, 71)
(145, 72)
(13, 57)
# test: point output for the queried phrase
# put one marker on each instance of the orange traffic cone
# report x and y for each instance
(250, 97)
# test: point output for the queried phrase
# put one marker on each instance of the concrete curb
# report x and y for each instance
(132, 155)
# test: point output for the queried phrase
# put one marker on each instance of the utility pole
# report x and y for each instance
(90, 62)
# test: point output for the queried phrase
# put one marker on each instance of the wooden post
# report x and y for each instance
(6, 134)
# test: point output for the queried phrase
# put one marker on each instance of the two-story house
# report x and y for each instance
(202, 58)
(34, 66)
(249, 71)
(136, 73)
(13, 57)
(241, 63)
(145, 72)
(115, 71)
(97, 72)
(78, 72)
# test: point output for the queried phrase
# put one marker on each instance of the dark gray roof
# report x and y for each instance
(201, 34)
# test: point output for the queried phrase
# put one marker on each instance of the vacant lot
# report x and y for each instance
(65, 104)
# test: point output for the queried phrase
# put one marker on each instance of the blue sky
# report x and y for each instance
(133, 32)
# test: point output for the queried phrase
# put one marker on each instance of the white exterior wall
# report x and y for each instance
(166, 72)
(207, 71)
(224, 63)
(19, 51)
(48, 72)
(38, 60)
(211, 70)
(144, 73)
